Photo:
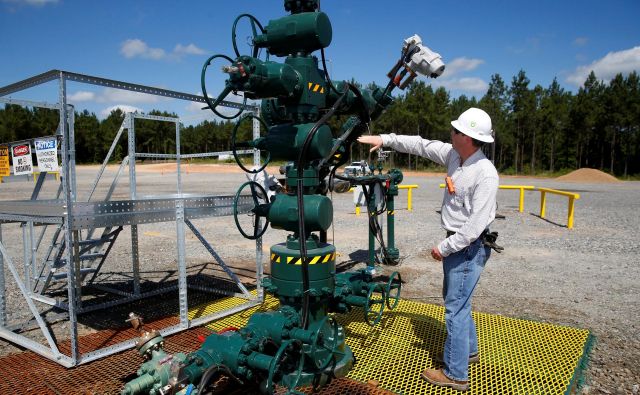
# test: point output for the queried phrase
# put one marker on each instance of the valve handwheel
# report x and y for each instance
(246, 144)
(225, 92)
(254, 22)
(287, 349)
(257, 193)
(375, 296)
(321, 342)
(393, 289)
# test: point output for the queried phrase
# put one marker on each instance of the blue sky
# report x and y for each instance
(164, 43)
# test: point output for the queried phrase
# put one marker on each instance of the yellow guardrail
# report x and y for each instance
(572, 198)
(543, 199)
(522, 188)
(408, 187)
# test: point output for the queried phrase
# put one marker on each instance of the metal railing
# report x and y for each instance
(408, 187)
(75, 218)
(543, 199)
(571, 208)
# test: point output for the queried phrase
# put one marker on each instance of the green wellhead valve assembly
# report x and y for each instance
(300, 344)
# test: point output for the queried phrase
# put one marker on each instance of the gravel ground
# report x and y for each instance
(585, 277)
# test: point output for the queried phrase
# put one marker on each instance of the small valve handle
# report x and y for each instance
(136, 322)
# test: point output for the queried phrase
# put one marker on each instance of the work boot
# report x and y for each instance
(473, 358)
(437, 377)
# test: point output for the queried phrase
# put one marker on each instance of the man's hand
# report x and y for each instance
(435, 254)
(376, 141)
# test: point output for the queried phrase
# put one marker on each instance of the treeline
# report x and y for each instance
(93, 137)
(538, 129)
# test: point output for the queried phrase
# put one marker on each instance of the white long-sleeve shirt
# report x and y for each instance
(468, 211)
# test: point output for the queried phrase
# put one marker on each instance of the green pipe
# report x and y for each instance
(392, 252)
(371, 208)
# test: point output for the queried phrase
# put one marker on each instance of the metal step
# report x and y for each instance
(83, 272)
(93, 241)
(85, 257)
(93, 250)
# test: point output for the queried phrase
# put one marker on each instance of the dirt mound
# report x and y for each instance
(588, 175)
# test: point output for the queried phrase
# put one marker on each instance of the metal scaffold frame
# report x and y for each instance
(77, 220)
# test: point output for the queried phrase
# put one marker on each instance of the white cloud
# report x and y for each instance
(112, 95)
(451, 80)
(606, 68)
(82, 96)
(471, 85)
(124, 108)
(119, 95)
(190, 49)
(136, 48)
(195, 107)
(195, 111)
(459, 65)
(37, 3)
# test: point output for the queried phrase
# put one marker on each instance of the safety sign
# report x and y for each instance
(21, 155)
(5, 170)
(47, 154)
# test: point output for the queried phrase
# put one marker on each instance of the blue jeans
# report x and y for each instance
(461, 274)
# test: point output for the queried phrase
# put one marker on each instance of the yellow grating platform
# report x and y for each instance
(516, 356)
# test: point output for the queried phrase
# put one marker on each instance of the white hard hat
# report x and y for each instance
(475, 123)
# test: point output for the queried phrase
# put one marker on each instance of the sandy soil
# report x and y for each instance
(588, 175)
(585, 277)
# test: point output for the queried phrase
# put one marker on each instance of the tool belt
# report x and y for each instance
(488, 239)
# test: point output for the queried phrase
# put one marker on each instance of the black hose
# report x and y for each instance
(371, 194)
(365, 118)
(326, 73)
(302, 237)
(374, 225)
(324, 66)
(403, 58)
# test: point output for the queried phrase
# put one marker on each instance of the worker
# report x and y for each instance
(269, 182)
(468, 208)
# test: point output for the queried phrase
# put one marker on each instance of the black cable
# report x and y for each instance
(374, 225)
(326, 73)
(403, 58)
(364, 116)
(324, 65)
(302, 237)
(333, 227)
(371, 194)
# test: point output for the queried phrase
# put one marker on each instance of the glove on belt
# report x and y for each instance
(488, 240)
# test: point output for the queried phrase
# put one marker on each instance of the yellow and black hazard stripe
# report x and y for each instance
(316, 87)
(290, 260)
(390, 212)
